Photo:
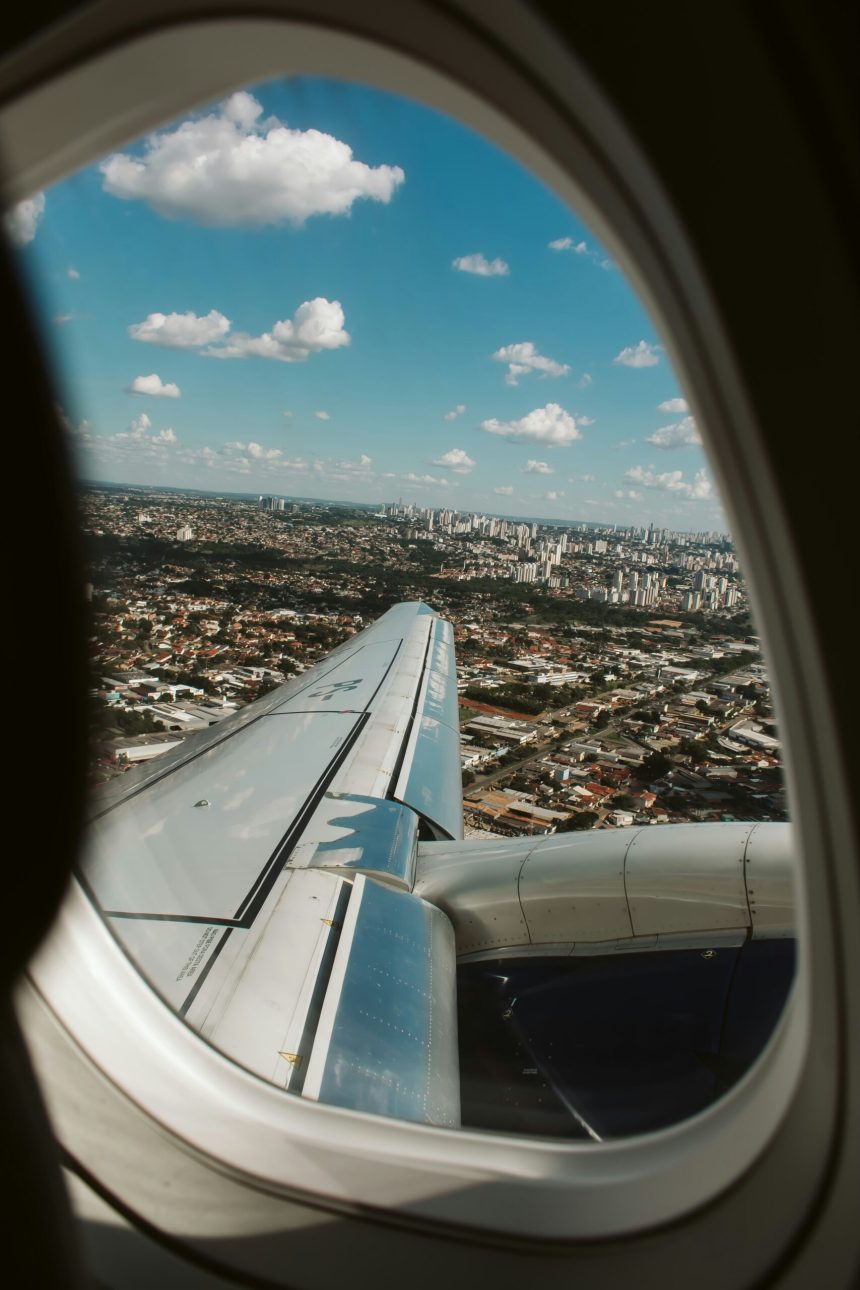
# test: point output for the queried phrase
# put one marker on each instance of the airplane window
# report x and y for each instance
(435, 771)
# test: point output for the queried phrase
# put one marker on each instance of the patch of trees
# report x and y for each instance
(653, 767)
(574, 823)
(104, 719)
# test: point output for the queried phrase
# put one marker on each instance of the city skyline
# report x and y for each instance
(399, 309)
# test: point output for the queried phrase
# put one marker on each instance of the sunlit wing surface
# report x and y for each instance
(233, 872)
(295, 884)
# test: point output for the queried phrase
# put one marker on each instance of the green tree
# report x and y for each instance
(582, 820)
(654, 767)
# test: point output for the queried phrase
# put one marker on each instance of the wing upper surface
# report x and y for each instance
(228, 868)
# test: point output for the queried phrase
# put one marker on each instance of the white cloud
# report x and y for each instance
(455, 412)
(430, 480)
(72, 272)
(457, 460)
(138, 440)
(584, 381)
(641, 355)
(673, 405)
(568, 244)
(21, 221)
(198, 457)
(523, 358)
(550, 425)
(259, 453)
(580, 248)
(287, 413)
(316, 325)
(322, 416)
(345, 471)
(62, 319)
(480, 265)
(81, 430)
(232, 168)
(181, 331)
(154, 385)
(537, 468)
(672, 481)
(678, 435)
(505, 491)
(552, 496)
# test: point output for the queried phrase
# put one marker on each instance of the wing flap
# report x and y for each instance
(387, 1036)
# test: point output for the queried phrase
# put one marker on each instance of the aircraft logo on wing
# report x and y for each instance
(329, 691)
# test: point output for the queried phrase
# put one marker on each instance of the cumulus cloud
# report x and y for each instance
(240, 458)
(457, 460)
(568, 244)
(181, 331)
(549, 424)
(259, 453)
(673, 405)
(480, 265)
(154, 386)
(678, 435)
(316, 325)
(138, 439)
(584, 381)
(231, 168)
(455, 412)
(579, 248)
(81, 430)
(322, 416)
(552, 496)
(430, 480)
(504, 491)
(71, 272)
(198, 457)
(672, 481)
(22, 220)
(537, 468)
(287, 413)
(62, 319)
(523, 358)
(641, 355)
(345, 471)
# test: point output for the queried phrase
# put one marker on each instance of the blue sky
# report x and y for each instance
(321, 290)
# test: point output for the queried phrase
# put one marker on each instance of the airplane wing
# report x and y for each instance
(295, 884)
(260, 875)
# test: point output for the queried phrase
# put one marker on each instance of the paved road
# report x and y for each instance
(536, 753)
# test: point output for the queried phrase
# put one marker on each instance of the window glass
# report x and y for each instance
(333, 364)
